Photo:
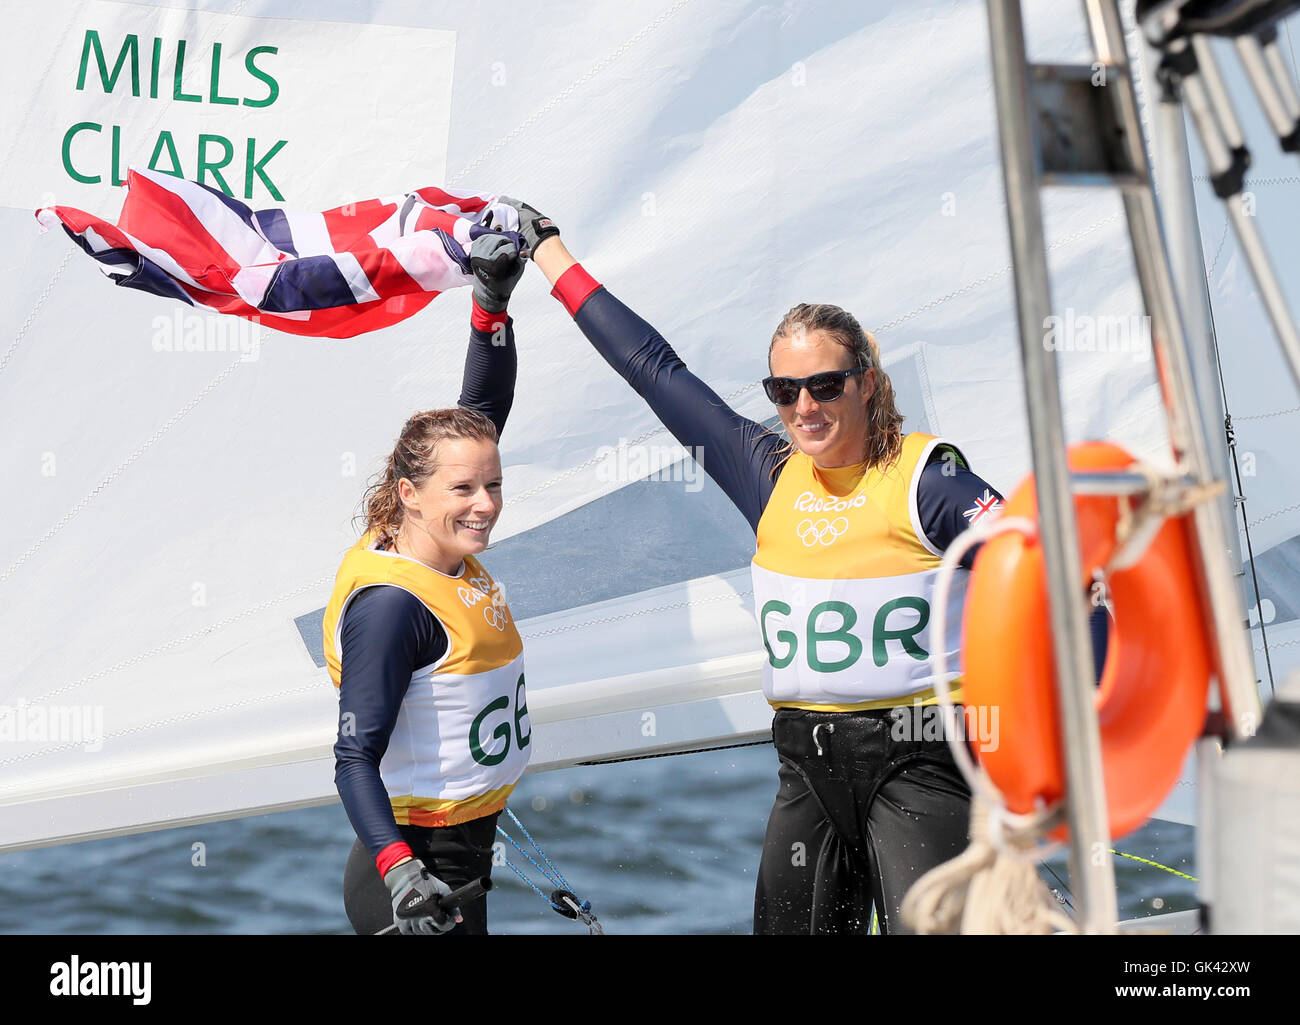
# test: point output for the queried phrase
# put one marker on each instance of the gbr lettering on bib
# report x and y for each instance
(460, 735)
(844, 641)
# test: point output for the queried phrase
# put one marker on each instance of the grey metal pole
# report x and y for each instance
(1091, 868)
(1282, 77)
(1220, 595)
(1208, 753)
(1214, 87)
(1177, 200)
(1208, 119)
(1270, 289)
(1261, 78)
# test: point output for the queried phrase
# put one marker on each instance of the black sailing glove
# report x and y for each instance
(415, 896)
(536, 228)
(497, 265)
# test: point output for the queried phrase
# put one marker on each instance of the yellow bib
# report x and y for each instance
(462, 736)
(843, 576)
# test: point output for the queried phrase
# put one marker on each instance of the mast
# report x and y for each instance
(1171, 167)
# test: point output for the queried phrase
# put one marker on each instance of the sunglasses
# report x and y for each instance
(824, 387)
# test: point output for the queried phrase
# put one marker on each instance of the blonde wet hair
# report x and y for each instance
(884, 422)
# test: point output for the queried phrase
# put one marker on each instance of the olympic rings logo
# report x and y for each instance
(823, 531)
(496, 615)
(495, 611)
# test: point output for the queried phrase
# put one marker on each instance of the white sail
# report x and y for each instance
(179, 498)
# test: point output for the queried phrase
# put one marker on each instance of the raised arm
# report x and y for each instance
(742, 456)
(491, 362)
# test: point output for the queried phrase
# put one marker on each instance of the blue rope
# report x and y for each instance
(513, 868)
(564, 885)
(554, 882)
(554, 877)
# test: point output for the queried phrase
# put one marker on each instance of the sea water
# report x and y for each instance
(664, 845)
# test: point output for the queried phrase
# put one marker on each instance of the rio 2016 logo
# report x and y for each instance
(808, 502)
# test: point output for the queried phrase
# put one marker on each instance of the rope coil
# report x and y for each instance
(993, 886)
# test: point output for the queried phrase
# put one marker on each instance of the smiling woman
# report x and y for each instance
(864, 428)
(441, 494)
(851, 519)
(433, 723)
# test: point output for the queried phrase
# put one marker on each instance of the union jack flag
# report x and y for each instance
(984, 505)
(356, 268)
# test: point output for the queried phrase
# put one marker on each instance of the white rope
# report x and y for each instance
(993, 886)
(976, 778)
(1162, 500)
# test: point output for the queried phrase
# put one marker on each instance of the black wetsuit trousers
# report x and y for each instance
(862, 812)
(455, 854)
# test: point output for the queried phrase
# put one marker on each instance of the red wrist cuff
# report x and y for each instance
(391, 855)
(481, 320)
(573, 288)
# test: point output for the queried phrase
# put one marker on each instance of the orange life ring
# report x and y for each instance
(1151, 700)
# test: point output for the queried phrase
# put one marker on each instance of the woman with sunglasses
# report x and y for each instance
(433, 724)
(851, 519)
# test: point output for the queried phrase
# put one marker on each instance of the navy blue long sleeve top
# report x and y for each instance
(388, 633)
(742, 456)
